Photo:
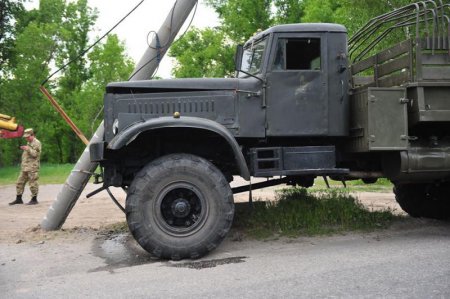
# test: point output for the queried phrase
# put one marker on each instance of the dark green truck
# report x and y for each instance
(305, 103)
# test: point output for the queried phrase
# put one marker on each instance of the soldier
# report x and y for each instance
(29, 168)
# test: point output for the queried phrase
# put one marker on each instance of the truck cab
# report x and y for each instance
(303, 70)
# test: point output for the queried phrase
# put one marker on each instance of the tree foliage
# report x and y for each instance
(288, 11)
(44, 39)
(240, 19)
(320, 12)
(10, 12)
(203, 53)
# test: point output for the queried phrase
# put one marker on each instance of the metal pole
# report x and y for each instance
(64, 115)
(80, 175)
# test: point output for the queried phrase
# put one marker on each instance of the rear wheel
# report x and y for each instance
(424, 200)
(179, 206)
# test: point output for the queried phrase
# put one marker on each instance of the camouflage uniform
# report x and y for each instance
(30, 168)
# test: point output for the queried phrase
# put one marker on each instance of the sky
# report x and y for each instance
(149, 16)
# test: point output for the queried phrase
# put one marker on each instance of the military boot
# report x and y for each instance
(18, 201)
(33, 201)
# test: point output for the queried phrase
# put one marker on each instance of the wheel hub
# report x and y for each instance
(181, 208)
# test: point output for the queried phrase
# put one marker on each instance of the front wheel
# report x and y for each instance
(424, 200)
(179, 206)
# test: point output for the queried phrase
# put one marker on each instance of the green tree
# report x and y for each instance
(288, 11)
(78, 19)
(242, 18)
(50, 38)
(320, 11)
(355, 14)
(108, 63)
(10, 11)
(209, 52)
(44, 38)
(203, 53)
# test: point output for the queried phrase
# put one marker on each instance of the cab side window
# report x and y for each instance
(297, 54)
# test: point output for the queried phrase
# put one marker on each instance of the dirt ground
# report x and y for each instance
(20, 221)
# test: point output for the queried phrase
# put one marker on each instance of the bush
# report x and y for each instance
(299, 212)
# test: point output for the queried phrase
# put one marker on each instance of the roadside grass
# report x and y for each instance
(299, 212)
(48, 174)
(381, 185)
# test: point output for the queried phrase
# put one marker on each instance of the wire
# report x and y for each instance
(160, 48)
(95, 118)
(132, 75)
(137, 106)
(115, 200)
(91, 46)
(170, 34)
(190, 22)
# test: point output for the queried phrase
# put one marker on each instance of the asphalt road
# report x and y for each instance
(409, 260)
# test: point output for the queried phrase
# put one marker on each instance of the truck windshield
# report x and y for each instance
(252, 58)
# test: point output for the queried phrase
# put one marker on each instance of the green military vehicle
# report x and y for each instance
(306, 103)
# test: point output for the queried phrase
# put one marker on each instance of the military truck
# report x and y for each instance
(305, 103)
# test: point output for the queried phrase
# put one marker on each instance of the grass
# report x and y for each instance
(381, 185)
(48, 174)
(298, 212)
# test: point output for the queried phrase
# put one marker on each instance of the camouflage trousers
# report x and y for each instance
(32, 178)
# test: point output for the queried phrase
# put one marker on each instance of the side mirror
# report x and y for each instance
(238, 58)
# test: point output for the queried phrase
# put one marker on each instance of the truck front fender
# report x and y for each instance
(132, 132)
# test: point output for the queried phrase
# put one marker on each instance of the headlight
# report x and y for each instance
(115, 127)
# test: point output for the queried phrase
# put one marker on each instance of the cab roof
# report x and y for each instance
(302, 27)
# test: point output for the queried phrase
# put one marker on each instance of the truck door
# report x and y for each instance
(297, 90)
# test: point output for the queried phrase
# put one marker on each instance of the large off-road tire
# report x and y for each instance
(424, 200)
(179, 206)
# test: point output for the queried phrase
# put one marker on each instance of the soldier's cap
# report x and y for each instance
(28, 133)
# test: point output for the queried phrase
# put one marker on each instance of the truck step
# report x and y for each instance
(285, 161)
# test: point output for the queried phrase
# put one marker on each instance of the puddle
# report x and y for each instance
(120, 251)
(198, 265)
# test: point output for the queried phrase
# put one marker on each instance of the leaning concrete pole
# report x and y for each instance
(81, 173)
(162, 41)
(72, 188)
